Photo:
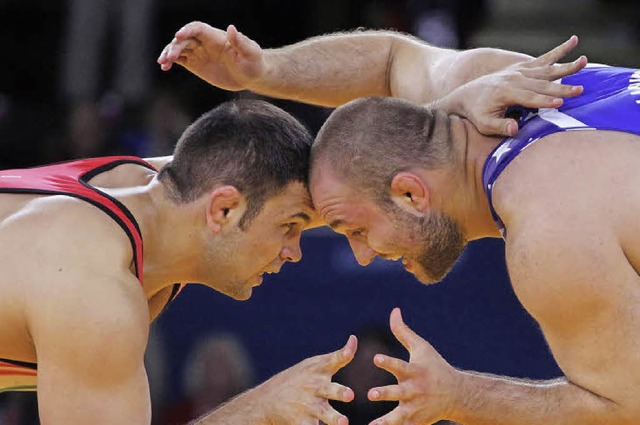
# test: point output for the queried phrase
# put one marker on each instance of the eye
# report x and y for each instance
(291, 226)
(356, 233)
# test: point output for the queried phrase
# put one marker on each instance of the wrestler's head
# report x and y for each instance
(247, 162)
(374, 166)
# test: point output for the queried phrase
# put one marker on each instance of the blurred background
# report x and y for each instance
(79, 79)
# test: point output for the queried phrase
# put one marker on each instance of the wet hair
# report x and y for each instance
(250, 144)
(369, 140)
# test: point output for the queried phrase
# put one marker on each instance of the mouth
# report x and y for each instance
(408, 265)
(257, 281)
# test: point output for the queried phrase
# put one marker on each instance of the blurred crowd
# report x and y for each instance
(80, 77)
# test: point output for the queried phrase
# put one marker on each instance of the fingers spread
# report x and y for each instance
(555, 71)
(330, 416)
(397, 367)
(557, 53)
(340, 358)
(388, 393)
(402, 332)
(335, 391)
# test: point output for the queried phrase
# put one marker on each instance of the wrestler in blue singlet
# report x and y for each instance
(610, 101)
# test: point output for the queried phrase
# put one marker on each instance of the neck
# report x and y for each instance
(169, 232)
(469, 205)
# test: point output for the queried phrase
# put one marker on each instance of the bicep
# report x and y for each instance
(67, 395)
(423, 73)
(572, 276)
(90, 349)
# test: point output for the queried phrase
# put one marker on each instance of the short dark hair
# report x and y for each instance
(369, 140)
(250, 144)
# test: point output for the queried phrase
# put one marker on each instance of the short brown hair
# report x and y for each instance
(368, 141)
(249, 144)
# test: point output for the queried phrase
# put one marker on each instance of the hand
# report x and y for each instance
(300, 394)
(426, 385)
(226, 59)
(484, 100)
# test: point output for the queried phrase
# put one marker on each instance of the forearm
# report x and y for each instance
(243, 409)
(486, 399)
(329, 70)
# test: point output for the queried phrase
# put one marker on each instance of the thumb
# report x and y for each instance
(498, 126)
(402, 332)
(240, 42)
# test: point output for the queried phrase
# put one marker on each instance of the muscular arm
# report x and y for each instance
(486, 399)
(554, 276)
(90, 347)
(333, 69)
(570, 273)
(88, 319)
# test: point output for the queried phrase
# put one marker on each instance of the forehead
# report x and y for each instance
(293, 199)
(336, 202)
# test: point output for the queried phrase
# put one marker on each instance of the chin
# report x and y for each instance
(237, 292)
(242, 295)
(429, 278)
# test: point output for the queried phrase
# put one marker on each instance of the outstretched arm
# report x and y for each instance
(298, 395)
(333, 69)
(429, 389)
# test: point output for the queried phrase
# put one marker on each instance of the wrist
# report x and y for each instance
(458, 394)
(262, 81)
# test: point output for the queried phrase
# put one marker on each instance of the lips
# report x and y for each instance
(408, 264)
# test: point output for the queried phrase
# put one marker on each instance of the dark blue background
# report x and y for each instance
(472, 318)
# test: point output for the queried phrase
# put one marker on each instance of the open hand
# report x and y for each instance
(531, 84)
(426, 384)
(300, 395)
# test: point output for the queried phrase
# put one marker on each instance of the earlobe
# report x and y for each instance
(223, 201)
(410, 193)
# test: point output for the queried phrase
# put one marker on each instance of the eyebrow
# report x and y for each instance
(302, 215)
(336, 224)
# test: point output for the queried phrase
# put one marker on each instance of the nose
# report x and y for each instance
(363, 253)
(291, 251)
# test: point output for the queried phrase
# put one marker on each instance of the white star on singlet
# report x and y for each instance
(501, 151)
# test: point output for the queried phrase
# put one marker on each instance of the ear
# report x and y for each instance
(226, 204)
(410, 192)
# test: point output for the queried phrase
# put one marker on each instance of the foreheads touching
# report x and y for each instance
(370, 140)
(367, 183)
(248, 144)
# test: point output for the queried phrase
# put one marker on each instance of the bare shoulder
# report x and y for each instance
(55, 235)
(159, 161)
(567, 203)
(81, 291)
(564, 202)
(594, 173)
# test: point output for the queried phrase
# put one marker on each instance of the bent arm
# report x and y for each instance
(90, 347)
(333, 69)
(570, 273)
